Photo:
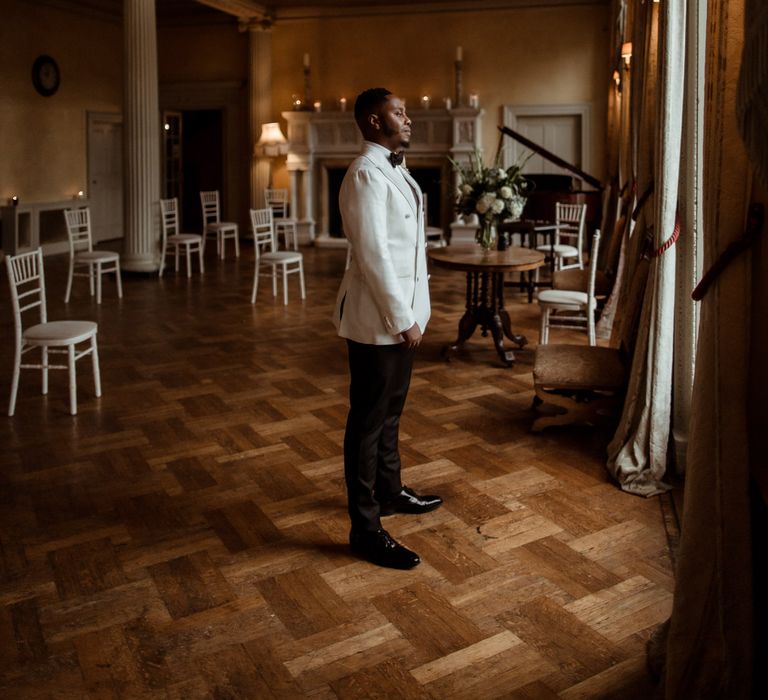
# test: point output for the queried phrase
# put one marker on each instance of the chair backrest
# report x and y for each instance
(209, 200)
(277, 201)
(263, 225)
(169, 217)
(591, 302)
(571, 220)
(79, 229)
(27, 282)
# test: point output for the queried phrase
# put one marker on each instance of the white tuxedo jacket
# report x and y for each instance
(384, 290)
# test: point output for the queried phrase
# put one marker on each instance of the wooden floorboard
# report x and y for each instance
(185, 535)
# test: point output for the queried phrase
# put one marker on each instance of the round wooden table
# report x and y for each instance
(485, 291)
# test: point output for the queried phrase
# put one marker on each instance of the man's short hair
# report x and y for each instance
(369, 102)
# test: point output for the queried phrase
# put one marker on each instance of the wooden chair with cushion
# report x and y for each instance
(586, 383)
(82, 254)
(27, 281)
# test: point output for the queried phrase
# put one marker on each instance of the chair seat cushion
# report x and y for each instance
(574, 367)
(563, 297)
(93, 256)
(561, 250)
(59, 332)
(282, 256)
(280, 221)
(184, 238)
(222, 226)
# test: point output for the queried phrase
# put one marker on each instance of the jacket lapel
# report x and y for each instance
(376, 156)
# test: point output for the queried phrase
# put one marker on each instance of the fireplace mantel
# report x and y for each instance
(318, 141)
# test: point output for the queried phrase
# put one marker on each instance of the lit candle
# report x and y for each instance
(447, 102)
(425, 102)
(15, 200)
(459, 53)
(306, 60)
(318, 106)
(343, 104)
(474, 100)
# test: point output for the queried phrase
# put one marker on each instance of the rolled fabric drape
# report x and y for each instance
(637, 455)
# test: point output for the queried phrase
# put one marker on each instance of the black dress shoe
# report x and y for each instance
(408, 501)
(380, 548)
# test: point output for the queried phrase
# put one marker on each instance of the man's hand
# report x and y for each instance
(412, 336)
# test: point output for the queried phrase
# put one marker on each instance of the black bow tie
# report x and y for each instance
(396, 159)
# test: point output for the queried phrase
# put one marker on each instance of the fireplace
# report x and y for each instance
(432, 180)
(323, 144)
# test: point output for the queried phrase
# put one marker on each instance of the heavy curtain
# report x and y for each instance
(711, 642)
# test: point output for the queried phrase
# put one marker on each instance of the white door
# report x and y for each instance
(559, 134)
(563, 130)
(105, 175)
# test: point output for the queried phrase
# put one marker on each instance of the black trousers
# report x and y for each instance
(379, 379)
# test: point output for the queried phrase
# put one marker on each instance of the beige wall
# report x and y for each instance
(43, 152)
(520, 56)
(202, 53)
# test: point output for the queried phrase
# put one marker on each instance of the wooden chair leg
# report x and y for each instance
(95, 361)
(15, 381)
(72, 379)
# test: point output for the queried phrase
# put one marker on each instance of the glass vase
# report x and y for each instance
(486, 236)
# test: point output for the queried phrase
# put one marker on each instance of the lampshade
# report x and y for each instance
(271, 142)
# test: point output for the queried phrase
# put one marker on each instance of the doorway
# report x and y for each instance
(202, 163)
(105, 175)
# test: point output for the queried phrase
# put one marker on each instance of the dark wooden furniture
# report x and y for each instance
(485, 291)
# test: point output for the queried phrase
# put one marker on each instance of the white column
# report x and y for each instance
(142, 137)
(260, 104)
(295, 193)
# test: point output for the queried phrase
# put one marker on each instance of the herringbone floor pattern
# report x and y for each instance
(185, 536)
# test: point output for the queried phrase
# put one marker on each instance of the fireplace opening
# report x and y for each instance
(429, 180)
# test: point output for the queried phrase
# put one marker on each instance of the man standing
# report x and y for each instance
(382, 310)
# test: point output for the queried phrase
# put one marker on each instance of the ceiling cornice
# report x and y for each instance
(399, 8)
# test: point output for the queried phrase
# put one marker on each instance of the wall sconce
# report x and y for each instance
(626, 52)
(425, 100)
(271, 143)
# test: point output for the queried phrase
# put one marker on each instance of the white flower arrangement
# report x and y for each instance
(493, 194)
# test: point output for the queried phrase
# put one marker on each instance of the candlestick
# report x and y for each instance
(458, 89)
(318, 105)
(15, 200)
(307, 87)
(474, 100)
(447, 102)
(425, 102)
(343, 104)
(306, 60)
(459, 53)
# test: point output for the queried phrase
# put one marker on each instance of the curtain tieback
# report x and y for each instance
(734, 249)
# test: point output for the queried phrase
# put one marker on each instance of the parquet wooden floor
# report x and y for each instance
(185, 536)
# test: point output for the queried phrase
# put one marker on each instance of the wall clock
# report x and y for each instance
(45, 75)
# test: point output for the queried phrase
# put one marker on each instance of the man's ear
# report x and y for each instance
(374, 122)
